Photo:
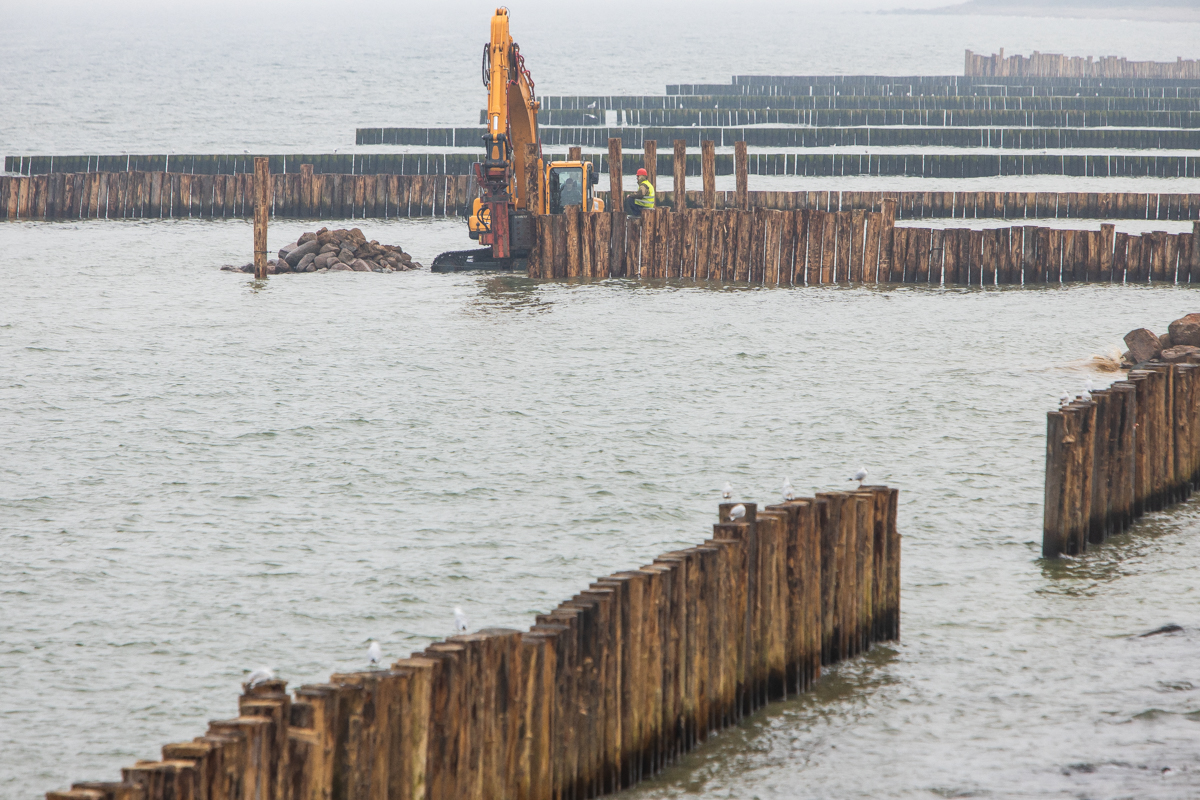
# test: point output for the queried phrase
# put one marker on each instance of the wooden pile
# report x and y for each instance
(608, 689)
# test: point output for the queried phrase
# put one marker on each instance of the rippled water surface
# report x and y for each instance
(199, 474)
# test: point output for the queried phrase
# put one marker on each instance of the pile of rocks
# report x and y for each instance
(1181, 340)
(330, 251)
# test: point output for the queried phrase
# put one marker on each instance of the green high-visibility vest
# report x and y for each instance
(646, 202)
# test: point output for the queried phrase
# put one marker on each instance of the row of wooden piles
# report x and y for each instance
(169, 195)
(1130, 449)
(137, 195)
(810, 248)
(1099, 113)
(608, 689)
(1054, 65)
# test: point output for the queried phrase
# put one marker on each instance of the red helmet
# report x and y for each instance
(642, 172)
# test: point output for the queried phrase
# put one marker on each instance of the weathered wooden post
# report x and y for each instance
(262, 184)
(616, 193)
(574, 153)
(679, 191)
(650, 161)
(532, 184)
(740, 166)
(708, 169)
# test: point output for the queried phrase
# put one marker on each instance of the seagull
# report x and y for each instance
(727, 490)
(789, 492)
(591, 116)
(245, 151)
(1088, 387)
(1065, 399)
(374, 653)
(592, 104)
(860, 476)
(737, 513)
(460, 620)
(258, 677)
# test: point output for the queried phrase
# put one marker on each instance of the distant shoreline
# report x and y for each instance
(1129, 12)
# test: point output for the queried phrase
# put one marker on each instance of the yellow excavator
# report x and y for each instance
(501, 216)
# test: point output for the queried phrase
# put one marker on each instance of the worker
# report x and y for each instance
(643, 199)
(572, 192)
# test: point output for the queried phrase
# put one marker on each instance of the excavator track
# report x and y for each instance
(474, 260)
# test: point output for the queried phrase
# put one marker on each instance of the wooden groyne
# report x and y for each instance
(645, 109)
(606, 690)
(1122, 452)
(937, 86)
(820, 133)
(162, 195)
(157, 195)
(766, 247)
(1053, 65)
(966, 164)
(876, 114)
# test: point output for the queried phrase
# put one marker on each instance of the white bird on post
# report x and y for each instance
(860, 476)
(374, 654)
(259, 677)
(737, 513)
(1064, 399)
(789, 491)
(460, 620)
(727, 490)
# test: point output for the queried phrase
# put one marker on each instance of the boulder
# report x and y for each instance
(230, 268)
(294, 256)
(287, 248)
(1143, 345)
(324, 260)
(305, 238)
(305, 262)
(358, 265)
(1164, 340)
(340, 267)
(357, 235)
(329, 247)
(1186, 330)
(346, 255)
(1176, 355)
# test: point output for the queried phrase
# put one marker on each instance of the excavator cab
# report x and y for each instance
(571, 183)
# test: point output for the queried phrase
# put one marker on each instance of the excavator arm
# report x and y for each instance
(511, 111)
(511, 124)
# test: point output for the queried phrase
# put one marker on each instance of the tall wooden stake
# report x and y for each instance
(740, 167)
(679, 191)
(616, 191)
(532, 179)
(650, 160)
(262, 194)
(708, 169)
